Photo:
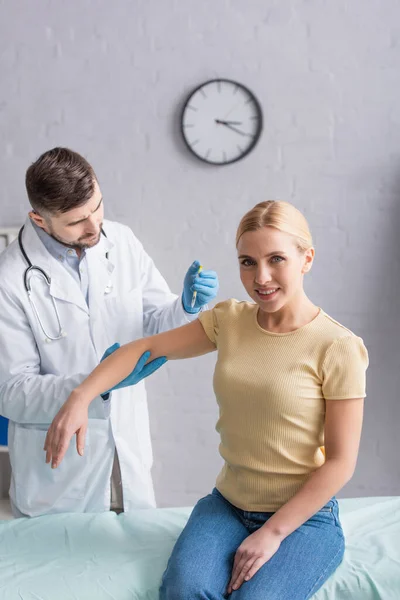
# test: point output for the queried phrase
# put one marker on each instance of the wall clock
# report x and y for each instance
(221, 121)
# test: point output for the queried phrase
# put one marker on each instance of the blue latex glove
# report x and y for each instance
(141, 371)
(204, 283)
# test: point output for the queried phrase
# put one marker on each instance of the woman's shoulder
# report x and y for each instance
(332, 328)
(344, 361)
(339, 339)
(227, 317)
(234, 307)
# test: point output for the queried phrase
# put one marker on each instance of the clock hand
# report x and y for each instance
(228, 122)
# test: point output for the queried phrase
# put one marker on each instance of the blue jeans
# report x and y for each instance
(200, 566)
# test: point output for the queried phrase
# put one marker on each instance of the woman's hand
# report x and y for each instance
(72, 418)
(251, 555)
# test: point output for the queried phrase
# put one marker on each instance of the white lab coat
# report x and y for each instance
(37, 377)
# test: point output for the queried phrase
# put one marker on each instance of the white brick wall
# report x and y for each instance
(108, 79)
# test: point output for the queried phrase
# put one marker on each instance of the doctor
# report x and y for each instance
(94, 286)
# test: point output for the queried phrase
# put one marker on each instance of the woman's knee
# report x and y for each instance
(177, 585)
(173, 590)
(246, 592)
(184, 590)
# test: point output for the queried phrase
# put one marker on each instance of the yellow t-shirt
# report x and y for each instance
(271, 390)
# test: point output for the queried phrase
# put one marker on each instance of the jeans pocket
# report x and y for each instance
(217, 493)
(325, 514)
(335, 513)
(331, 511)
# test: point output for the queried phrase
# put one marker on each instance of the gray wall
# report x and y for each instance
(108, 80)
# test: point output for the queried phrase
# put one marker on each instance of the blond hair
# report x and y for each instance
(280, 215)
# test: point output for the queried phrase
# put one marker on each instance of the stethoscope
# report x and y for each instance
(27, 284)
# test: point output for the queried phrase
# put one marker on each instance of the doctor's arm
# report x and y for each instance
(185, 342)
(26, 395)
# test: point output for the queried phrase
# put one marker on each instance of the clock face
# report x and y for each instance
(221, 121)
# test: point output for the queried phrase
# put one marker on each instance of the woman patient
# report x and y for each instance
(290, 383)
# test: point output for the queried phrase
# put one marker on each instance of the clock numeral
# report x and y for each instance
(255, 118)
(192, 107)
(219, 86)
(202, 92)
(249, 100)
(235, 89)
(194, 143)
(207, 154)
(240, 149)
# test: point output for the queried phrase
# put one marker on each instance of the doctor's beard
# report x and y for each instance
(86, 241)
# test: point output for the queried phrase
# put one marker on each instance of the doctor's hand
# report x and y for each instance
(205, 284)
(71, 419)
(141, 370)
(252, 554)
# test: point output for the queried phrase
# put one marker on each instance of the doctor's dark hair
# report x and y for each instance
(58, 181)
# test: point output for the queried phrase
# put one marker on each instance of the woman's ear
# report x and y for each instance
(308, 260)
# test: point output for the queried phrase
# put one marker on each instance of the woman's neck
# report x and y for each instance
(290, 317)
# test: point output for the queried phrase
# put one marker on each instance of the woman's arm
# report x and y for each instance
(343, 424)
(185, 342)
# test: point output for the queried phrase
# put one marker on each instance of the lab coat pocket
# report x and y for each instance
(124, 315)
(38, 487)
